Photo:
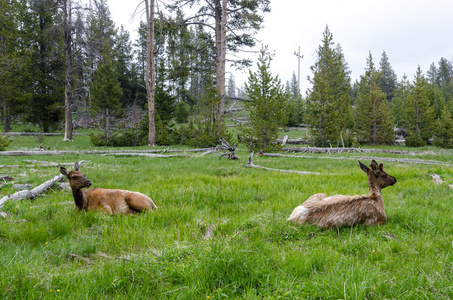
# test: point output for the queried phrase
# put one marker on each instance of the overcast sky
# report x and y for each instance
(412, 33)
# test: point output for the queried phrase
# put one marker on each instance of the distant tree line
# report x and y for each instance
(108, 69)
(373, 109)
(108, 80)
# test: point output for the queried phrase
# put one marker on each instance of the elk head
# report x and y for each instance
(77, 180)
(376, 175)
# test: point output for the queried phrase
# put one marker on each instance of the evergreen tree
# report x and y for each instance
(397, 105)
(418, 114)
(106, 91)
(444, 133)
(329, 110)
(123, 52)
(13, 62)
(268, 107)
(296, 104)
(374, 122)
(294, 89)
(388, 80)
(46, 68)
(231, 91)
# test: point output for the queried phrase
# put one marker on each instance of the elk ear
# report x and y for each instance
(363, 167)
(76, 166)
(64, 171)
(374, 166)
(381, 167)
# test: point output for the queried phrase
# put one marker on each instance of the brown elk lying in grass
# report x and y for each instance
(110, 201)
(339, 210)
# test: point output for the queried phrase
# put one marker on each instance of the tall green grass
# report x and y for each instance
(220, 231)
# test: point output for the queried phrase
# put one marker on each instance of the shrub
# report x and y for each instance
(4, 142)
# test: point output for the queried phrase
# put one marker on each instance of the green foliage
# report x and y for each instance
(418, 113)
(45, 72)
(444, 133)
(268, 107)
(4, 142)
(182, 112)
(164, 104)
(118, 138)
(296, 113)
(397, 104)
(374, 123)
(329, 109)
(201, 134)
(388, 81)
(106, 91)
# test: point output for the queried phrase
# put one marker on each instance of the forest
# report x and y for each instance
(67, 65)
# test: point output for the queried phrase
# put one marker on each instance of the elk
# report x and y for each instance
(107, 200)
(339, 210)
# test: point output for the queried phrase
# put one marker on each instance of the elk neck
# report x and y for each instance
(79, 201)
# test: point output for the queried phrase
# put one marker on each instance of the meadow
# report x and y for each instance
(220, 230)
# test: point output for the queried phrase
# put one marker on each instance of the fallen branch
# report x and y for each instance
(36, 133)
(227, 147)
(144, 154)
(349, 150)
(398, 160)
(25, 153)
(250, 164)
(436, 178)
(31, 194)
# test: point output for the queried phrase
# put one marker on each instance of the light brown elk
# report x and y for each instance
(339, 210)
(109, 201)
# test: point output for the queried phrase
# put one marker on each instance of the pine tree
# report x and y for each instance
(46, 68)
(106, 91)
(418, 114)
(374, 122)
(328, 104)
(268, 106)
(396, 106)
(444, 131)
(388, 80)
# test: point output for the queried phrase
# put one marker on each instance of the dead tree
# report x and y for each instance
(227, 147)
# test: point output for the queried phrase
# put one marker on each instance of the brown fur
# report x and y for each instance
(109, 201)
(339, 210)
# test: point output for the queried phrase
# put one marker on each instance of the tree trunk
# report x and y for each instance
(68, 70)
(220, 37)
(107, 125)
(6, 117)
(150, 76)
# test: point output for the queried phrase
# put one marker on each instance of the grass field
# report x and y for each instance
(220, 230)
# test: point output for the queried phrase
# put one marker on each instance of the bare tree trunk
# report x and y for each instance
(220, 36)
(68, 70)
(107, 125)
(150, 77)
(6, 117)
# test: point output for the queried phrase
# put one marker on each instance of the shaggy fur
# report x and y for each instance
(339, 210)
(109, 201)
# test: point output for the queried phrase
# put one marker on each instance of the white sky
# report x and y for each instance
(412, 33)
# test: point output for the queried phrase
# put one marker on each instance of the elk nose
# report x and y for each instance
(88, 183)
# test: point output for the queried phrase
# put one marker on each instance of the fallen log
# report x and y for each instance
(45, 152)
(348, 150)
(145, 154)
(36, 133)
(31, 193)
(250, 164)
(398, 160)
(287, 140)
